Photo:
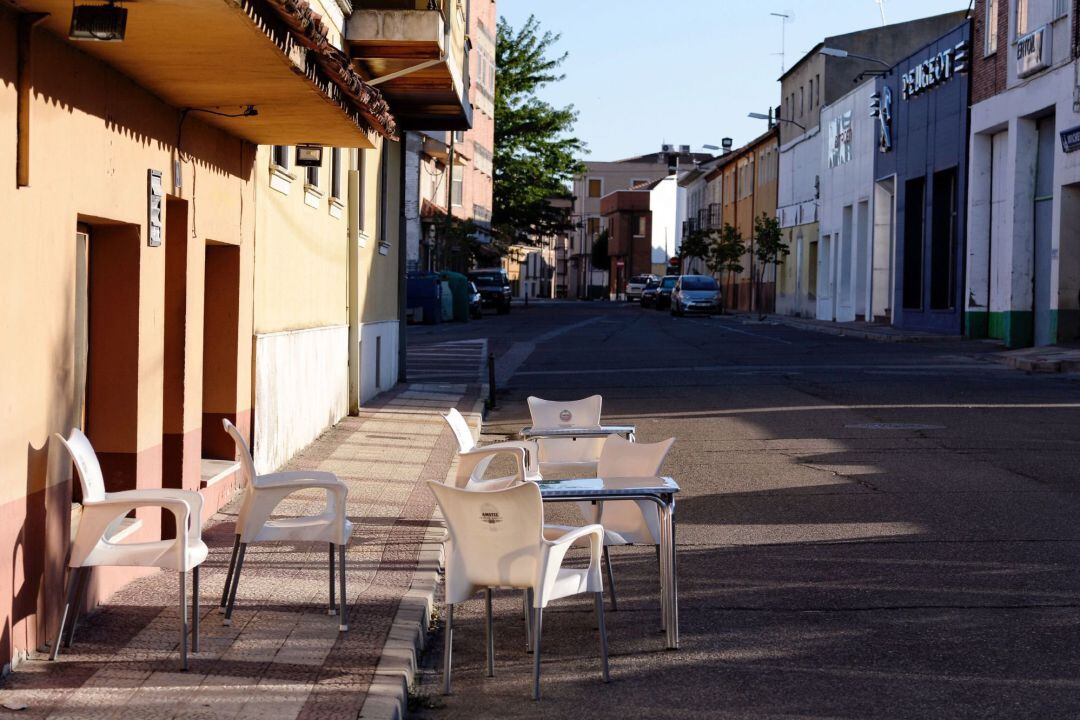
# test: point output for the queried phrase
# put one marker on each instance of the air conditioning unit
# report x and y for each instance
(667, 148)
(685, 149)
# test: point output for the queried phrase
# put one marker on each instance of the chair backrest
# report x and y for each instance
(495, 536)
(565, 413)
(465, 439)
(86, 463)
(246, 462)
(622, 458)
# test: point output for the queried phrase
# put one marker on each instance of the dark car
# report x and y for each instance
(663, 293)
(695, 293)
(494, 288)
(476, 310)
(648, 294)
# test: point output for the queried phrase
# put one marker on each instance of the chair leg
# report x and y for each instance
(229, 576)
(527, 605)
(183, 621)
(235, 584)
(343, 617)
(72, 584)
(603, 637)
(76, 607)
(611, 580)
(490, 635)
(537, 627)
(448, 648)
(663, 594)
(195, 609)
(333, 603)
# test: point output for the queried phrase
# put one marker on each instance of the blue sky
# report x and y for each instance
(687, 71)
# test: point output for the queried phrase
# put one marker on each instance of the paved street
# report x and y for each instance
(866, 529)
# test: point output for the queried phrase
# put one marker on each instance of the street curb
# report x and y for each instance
(388, 695)
(840, 331)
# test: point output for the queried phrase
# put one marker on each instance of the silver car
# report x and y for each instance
(637, 284)
(695, 293)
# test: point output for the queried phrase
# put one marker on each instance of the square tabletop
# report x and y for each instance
(570, 431)
(610, 487)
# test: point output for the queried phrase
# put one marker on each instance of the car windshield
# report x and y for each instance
(486, 279)
(698, 283)
(668, 282)
(652, 284)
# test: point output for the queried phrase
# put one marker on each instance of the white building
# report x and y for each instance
(798, 212)
(667, 204)
(844, 267)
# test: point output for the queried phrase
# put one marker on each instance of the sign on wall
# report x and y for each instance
(881, 110)
(934, 71)
(840, 139)
(154, 198)
(1070, 139)
(1033, 52)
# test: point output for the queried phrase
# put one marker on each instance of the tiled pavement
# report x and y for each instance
(283, 656)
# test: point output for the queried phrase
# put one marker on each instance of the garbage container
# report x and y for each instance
(459, 289)
(423, 296)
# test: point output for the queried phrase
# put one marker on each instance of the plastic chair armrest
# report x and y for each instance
(299, 479)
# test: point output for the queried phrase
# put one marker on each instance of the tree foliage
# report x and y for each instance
(535, 150)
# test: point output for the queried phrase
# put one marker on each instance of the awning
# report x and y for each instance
(226, 55)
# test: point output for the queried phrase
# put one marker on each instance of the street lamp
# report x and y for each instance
(771, 119)
(838, 53)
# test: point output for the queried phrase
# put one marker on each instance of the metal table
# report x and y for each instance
(574, 432)
(660, 490)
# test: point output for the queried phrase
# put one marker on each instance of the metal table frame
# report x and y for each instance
(665, 502)
(599, 431)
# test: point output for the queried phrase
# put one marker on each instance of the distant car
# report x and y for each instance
(636, 286)
(476, 305)
(695, 293)
(648, 295)
(494, 288)
(663, 293)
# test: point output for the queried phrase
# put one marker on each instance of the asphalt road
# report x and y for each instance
(866, 530)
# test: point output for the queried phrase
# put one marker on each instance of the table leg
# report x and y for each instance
(663, 554)
(673, 577)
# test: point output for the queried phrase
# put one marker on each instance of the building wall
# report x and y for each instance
(798, 211)
(846, 212)
(94, 136)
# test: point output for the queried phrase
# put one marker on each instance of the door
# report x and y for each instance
(845, 270)
(1045, 330)
(825, 280)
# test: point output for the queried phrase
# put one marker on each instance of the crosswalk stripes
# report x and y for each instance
(451, 361)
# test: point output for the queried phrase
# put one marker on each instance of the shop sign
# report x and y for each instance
(154, 198)
(881, 110)
(1070, 139)
(840, 139)
(934, 71)
(1033, 52)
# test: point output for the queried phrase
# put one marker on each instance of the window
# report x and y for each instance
(592, 226)
(818, 86)
(638, 181)
(281, 156)
(914, 206)
(1061, 9)
(335, 173)
(483, 161)
(596, 187)
(456, 185)
(640, 226)
(1021, 17)
(811, 271)
(459, 136)
(811, 93)
(801, 99)
(990, 28)
(311, 175)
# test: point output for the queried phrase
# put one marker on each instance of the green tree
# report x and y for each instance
(535, 150)
(697, 244)
(456, 247)
(725, 255)
(770, 248)
(599, 258)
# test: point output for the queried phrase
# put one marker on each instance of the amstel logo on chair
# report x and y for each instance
(566, 416)
(490, 514)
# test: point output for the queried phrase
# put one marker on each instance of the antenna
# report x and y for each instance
(784, 18)
(881, 7)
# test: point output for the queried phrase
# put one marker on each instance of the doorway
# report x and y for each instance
(824, 282)
(221, 323)
(1068, 312)
(1045, 330)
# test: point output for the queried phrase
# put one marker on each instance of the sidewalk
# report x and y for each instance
(1049, 359)
(283, 656)
(862, 330)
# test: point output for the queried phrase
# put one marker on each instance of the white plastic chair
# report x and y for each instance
(262, 494)
(101, 519)
(496, 540)
(627, 522)
(473, 459)
(576, 455)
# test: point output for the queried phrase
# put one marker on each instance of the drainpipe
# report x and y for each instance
(353, 299)
(402, 252)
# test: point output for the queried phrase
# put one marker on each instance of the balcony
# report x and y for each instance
(417, 53)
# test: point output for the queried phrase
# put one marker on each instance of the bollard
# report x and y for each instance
(491, 380)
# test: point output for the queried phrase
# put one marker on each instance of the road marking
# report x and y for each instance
(769, 369)
(720, 324)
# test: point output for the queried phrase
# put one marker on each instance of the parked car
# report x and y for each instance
(494, 288)
(648, 295)
(636, 286)
(695, 293)
(663, 293)
(476, 305)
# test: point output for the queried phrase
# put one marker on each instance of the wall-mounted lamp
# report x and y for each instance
(309, 155)
(100, 23)
(838, 53)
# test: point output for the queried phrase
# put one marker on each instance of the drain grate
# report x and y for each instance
(895, 426)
